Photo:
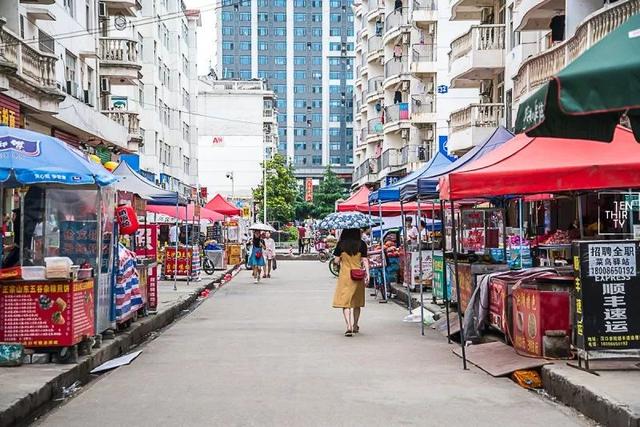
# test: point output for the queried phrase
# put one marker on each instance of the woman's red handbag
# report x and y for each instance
(258, 254)
(358, 274)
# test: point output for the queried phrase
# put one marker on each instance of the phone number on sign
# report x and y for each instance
(609, 270)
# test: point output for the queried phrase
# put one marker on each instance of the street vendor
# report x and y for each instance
(412, 231)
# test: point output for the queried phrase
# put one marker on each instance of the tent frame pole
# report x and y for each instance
(383, 256)
(454, 249)
(175, 269)
(407, 258)
(445, 287)
(420, 280)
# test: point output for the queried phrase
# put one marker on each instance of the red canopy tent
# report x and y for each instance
(221, 205)
(359, 197)
(528, 165)
(185, 214)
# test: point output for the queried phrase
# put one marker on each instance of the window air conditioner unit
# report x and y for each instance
(105, 85)
(405, 38)
(102, 10)
(404, 134)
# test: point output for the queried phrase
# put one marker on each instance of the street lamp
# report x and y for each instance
(230, 176)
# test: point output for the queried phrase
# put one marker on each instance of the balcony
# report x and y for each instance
(376, 8)
(535, 15)
(395, 23)
(423, 109)
(123, 7)
(396, 116)
(129, 120)
(374, 89)
(423, 59)
(469, 10)
(537, 70)
(392, 158)
(362, 140)
(425, 12)
(374, 48)
(33, 68)
(366, 172)
(395, 70)
(477, 55)
(473, 124)
(374, 129)
(119, 60)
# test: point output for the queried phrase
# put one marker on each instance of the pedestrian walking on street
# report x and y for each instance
(270, 246)
(256, 260)
(302, 232)
(351, 254)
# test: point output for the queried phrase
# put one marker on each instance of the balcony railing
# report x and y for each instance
(409, 154)
(424, 53)
(477, 115)
(32, 65)
(398, 18)
(374, 44)
(397, 112)
(374, 126)
(537, 70)
(423, 104)
(479, 37)
(127, 119)
(391, 158)
(425, 5)
(119, 50)
(395, 67)
(364, 132)
(374, 85)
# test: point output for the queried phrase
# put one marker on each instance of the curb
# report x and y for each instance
(597, 407)
(20, 410)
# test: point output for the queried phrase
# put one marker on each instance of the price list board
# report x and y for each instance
(46, 313)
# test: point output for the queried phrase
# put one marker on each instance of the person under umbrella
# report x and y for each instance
(256, 260)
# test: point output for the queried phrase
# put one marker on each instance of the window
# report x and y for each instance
(299, 132)
(316, 75)
(263, 46)
(70, 7)
(279, 75)
(335, 160)
(316, 60)
(299, 46)
(300, 160)
(263, 17)
(335, 3)
(316, 17)
(280, 31)
(262, 31)
(316, 160)
(281, 104)
(300, 31)
(334, 146)
(87, 15)
(262, 60)
(45, 41)
(316, 47)
(335, 32)
(280, 60)
(316, 89)
(300, 103)
(316, 103)
(335, 89)
(245, 60)
(316, 146)
(299, 88)
(245, 16)
(228, 59)
(280, 89)
(350, 31)
(300, 146)
(299, 17)
(262, 74)
(300, 75)
(335, 46)
(316, 132)
(279, 3)
(334, 132)
(245, 74)
(316, 3)
(299, 118)
(70, 68)
(316, 117)
(335, 61)
(280, 46)
(335, 117)
(336, 75)
(245, 45)
(316, 31)
(299, 60)
(336, 17)
(227, 45)
(263, 3)
(245, 31)
(299, 3)
(282, 118)
(279, 17)
(227, 31)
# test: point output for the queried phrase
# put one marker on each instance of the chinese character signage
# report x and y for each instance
(46, 313)
(147, 247)
(607, 295)
(78, 241)
(308, 189)
(186, 265)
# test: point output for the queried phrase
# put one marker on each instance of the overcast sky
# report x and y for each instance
(206, 34)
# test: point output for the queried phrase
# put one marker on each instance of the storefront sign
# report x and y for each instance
(607, 295)
(46, 313)
(438, 276)
(246, 212)
(184, 262)
(618, 213)
(308, 189)
(389, 180)
(9, 112)
(217, 140)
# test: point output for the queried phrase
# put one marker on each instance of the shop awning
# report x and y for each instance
(527, 165)
(391, 193)
(393, 208)
(132, 182)
(359, 197)
(428, 185)
(221, 205)
(185, 213)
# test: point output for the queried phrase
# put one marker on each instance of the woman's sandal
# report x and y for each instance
(356, 329)
(348, 333)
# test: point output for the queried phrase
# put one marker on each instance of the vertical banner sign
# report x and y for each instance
(308, 189)
(607, 295)
(147, 247)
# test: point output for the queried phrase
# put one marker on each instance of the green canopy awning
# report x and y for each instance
(586, 99)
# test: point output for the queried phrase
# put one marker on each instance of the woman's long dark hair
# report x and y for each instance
(350, 240)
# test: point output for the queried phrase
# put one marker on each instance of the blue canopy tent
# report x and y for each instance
(132, 182)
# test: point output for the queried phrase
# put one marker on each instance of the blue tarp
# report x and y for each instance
(427, 186)
(391, 193)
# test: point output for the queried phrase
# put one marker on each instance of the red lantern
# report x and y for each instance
(127, 219)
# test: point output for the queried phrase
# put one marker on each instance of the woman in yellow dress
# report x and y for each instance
(350, 254)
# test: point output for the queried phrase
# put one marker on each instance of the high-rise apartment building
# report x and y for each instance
(304, 50)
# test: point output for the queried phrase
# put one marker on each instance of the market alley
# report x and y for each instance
(274, 354)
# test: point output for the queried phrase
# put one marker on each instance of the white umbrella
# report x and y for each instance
(261, 227)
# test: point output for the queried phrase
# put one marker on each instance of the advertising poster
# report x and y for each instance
(147, 247)
(184, 264)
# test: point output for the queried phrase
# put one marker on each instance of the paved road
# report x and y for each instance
(274, 355)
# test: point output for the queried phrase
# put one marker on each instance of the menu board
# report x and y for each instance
(78, 241)
(184, 262)
(607, 299)
(46, 313)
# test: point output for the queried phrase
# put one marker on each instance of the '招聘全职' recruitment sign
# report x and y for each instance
(607, 303)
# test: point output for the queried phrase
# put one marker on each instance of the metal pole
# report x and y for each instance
(22, 247)
(384, 262)
(445, 287)
(580, 221)
(175, 267)
(264, 189)
(521, 223)
(407, 258)
(420, 272)
(454, 249)
(187, 241)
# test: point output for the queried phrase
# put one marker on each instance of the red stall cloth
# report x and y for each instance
(221, 205)
(526, 165)
(359, 197)
(185, 214)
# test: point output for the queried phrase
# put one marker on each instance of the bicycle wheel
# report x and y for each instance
(334, 268)
(208, 266)
(323, 256)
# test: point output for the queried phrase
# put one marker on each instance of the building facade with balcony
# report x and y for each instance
(400, 119)
(512, 48)
(51, 57)
(235, 140)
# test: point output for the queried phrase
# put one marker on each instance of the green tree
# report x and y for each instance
(324, 197)
(281, 191)
(303, 208)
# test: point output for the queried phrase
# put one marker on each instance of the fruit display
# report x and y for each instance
(559, 237)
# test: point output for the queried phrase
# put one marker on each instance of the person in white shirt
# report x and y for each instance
(270, 246)
(173, 234)
(412, 231)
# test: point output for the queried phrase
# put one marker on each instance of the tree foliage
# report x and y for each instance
(281, 191)
(325, 195)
